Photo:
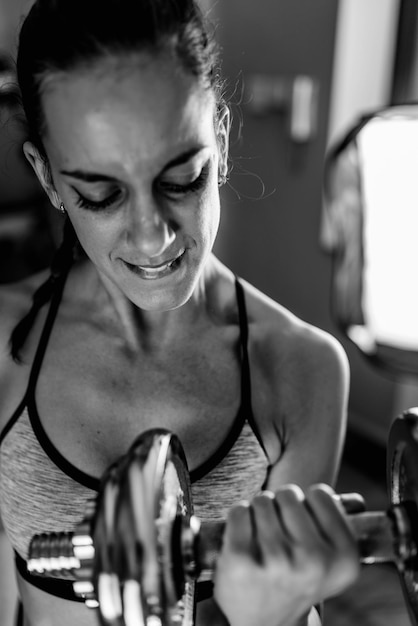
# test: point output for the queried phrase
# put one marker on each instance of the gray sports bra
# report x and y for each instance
(41, 491)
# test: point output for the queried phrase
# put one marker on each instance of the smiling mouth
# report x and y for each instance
(153, 272)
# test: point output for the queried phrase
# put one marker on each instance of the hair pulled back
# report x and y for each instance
(61, 36)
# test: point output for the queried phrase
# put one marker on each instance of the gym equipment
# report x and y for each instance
(368, 227)
(148, 490)
(402, 484)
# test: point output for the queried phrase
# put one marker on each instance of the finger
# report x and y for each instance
(330, 516)
(270, 535)
(238, 534)
(297, 522)
(352, 502)
(335, 528)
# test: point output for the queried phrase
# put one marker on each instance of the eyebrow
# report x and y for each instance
(92, 177)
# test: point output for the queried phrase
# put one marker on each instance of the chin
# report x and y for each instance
(164, 298)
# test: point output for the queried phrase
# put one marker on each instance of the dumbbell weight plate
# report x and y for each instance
(164, 496)
(402, 483)
(174, 503)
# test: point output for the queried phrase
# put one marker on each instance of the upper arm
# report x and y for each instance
(312, 411)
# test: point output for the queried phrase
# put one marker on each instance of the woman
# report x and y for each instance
(139, 325)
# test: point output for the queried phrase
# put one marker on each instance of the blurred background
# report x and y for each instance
(304, 73)
(300, 73)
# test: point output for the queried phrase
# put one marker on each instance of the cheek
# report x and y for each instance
(209, 206)
(212, 215)
(95, 237)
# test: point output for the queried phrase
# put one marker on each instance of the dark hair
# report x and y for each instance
(9, 91)
(59, 36)
(62, 35)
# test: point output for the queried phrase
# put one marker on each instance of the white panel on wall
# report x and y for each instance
(364, 58)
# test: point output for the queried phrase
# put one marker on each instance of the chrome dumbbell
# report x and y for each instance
(173, 549)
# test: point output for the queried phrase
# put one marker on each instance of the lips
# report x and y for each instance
(153, 272)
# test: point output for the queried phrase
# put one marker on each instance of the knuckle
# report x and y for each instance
(263, 500)
(239, 509)
(238, 512)
(266, 494)
(290, 493)
(323, 495)
(321, 488)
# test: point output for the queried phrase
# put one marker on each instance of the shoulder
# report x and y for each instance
(280, 338)
(15, 302)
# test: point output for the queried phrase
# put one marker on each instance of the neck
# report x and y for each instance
(138, 327)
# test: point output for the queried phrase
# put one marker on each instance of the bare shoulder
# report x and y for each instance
(285, 339)
(300, 377)
(15, 302)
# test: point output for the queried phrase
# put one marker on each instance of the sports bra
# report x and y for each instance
(42, 492)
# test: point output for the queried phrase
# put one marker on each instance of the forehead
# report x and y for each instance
(137, 111)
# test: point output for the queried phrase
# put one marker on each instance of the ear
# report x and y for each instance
(223, 124)
(42, 171)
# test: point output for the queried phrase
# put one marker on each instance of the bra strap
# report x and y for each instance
(46, 333)
(243, 325)
(246, 400)
(39, 355)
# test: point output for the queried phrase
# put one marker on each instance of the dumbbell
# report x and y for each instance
(175, 549)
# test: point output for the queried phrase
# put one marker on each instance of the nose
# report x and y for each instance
(149, 230)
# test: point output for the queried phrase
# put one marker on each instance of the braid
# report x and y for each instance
(61, 264)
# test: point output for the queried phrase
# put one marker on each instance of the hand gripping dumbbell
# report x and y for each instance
(148, 490)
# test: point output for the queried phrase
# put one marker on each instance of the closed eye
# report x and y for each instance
(178, 189)
(94, 205)
(167, 187)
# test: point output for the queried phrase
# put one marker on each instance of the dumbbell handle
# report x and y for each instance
(381, 536)
(377, 540)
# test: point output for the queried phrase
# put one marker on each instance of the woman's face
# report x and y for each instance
(135, 151)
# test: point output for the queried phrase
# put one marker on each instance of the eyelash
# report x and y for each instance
(171, 188)
(84, 203)
(192, 187)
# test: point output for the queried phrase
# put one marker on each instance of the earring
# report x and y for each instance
(62, 208)
(223, 176)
